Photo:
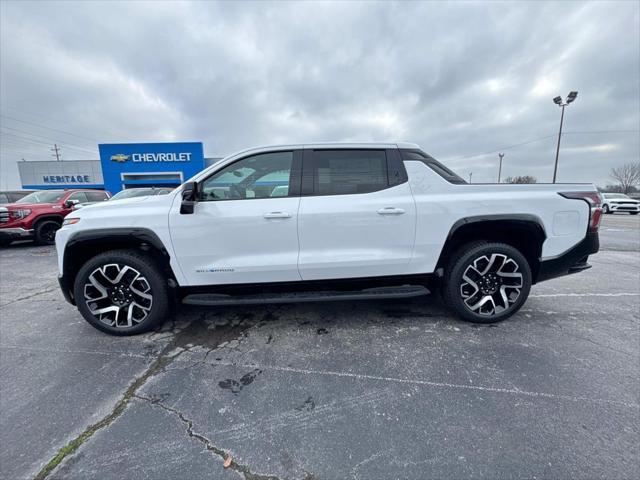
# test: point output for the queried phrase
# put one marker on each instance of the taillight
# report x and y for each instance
(595, 207)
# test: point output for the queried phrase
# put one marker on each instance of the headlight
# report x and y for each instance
(20, 213)
(70, 221)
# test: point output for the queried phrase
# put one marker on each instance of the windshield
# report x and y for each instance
(133, 192)
(51, 196)
(615, 195)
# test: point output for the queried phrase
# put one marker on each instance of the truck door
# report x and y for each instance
(357, 214)
(244, 225)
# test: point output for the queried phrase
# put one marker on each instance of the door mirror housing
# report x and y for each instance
(71, 203)
(189, 198)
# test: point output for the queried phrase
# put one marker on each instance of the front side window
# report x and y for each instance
(265, 175)
(344, 172)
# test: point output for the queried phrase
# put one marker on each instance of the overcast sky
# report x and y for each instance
(462, 79)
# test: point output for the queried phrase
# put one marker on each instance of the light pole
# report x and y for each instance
(558, 101)
(501, 155)
(470, 175)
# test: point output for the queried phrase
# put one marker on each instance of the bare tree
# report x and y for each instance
(521, 179)
(627, 176)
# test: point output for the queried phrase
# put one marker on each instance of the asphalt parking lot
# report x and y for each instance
(358, 390)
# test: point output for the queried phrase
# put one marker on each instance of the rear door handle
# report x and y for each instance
(277, 215)
(391, 211)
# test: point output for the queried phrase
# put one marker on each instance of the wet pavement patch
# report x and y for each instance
(236, 386)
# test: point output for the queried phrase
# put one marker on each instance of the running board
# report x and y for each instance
(212, 299)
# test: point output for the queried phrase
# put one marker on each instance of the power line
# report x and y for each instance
(37, 135)
(48, 128)
(544, 138)
(41, 142)
(601, 131)
(41, 117)
(505, 148)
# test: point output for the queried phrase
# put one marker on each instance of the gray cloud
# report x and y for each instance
(461, 79)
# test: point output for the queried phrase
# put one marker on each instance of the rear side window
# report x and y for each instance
(96, 196)
(344, 172)
(433, 164)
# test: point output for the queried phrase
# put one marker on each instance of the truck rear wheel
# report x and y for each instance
(122, 292)
(487, 282)
(45, 232)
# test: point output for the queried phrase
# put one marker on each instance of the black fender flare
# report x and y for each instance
(517, 218)
(116, 237)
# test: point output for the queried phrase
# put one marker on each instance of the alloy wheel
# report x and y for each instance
(48, 232)
(491, 284)
(118, 295)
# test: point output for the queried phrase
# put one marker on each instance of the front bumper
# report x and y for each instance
(66, 289)
(628, 207)
(572, 261)
(18, 233)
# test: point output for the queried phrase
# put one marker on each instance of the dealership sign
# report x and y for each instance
(127, 165)
(49, 179)
(152, 157)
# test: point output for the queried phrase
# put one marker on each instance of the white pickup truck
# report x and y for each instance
(323, 222)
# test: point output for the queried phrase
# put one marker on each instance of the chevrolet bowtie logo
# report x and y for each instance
(120, 157)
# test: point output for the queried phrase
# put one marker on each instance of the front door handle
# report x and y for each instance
(277, 215)
(391, 211)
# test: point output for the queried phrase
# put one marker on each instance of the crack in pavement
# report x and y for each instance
(27, 297)
(240, 468)
(163, 359)
(183, 340)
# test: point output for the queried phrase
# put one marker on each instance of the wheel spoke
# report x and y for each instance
(491, 284)
(118, 295)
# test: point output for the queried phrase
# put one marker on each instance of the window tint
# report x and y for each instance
(264, 175)
(343, 172)
(96, 196)
(80, 196)
(432, 163)
(4, 198)
(50, 196)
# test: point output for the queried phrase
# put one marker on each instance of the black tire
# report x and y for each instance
(633, 213)
(454, 283)
(5, 243)
(45, 232)
(158, 308)
(605, 209)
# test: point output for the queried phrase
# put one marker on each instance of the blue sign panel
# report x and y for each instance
(127, 165)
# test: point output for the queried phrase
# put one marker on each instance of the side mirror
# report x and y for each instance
(71, 203)
(189, 198)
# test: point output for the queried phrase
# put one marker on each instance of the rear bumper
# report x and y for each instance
(18, 233)
(572, 261)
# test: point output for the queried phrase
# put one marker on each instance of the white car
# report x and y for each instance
(323, 222)
(619, 202)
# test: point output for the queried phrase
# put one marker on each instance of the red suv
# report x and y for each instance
(39, 215)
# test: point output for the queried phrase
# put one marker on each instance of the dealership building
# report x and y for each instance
(121, 166)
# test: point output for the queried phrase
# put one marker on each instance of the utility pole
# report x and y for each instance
(470, 175)
(501, 155)
(56, 149)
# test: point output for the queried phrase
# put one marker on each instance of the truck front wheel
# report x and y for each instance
(45, 232)
(487, 282)
(122, 292)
